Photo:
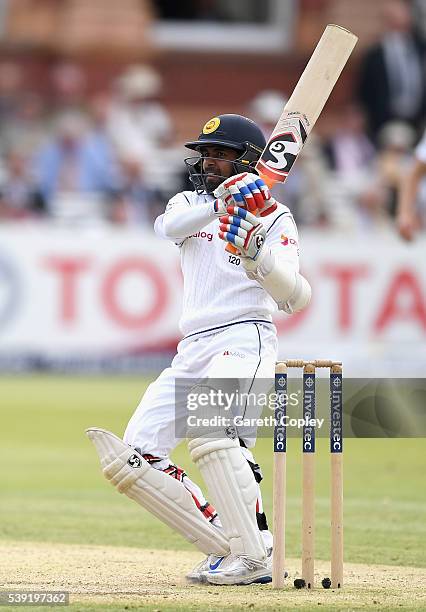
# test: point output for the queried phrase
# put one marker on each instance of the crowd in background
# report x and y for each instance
(113, 156)
(110, 156)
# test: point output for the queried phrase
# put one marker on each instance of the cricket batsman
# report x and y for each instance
(228, 303)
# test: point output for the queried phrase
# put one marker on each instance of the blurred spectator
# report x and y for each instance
(11, 92)
(10, 89)
(135, 203)
(348, 155)
(419, 15)
(141, 127)
(265, 109)
(361, 190)
(68, 83)
(392, 76)
(312, 208)
(303, 191)
(138, 121)
(27, 128)
(349, 177)
(349, 150)
(74, 161)
(371, 211)
(163, 171)
(19, 196)
(98, 139)
(411, 205)
(396, 140)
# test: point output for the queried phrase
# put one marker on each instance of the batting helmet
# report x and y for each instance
(233, 131)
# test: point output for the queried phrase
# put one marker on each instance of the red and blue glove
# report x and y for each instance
(243, 230)
(249, 191)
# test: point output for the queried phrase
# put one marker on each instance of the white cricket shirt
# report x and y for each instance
(216, 289)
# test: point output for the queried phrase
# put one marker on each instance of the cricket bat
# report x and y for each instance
(305, 105)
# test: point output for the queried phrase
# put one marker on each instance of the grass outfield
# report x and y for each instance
(52, 493)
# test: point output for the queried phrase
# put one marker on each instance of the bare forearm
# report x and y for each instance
(409, 187)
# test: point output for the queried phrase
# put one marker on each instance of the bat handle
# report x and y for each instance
(231, 249)
(270, 182)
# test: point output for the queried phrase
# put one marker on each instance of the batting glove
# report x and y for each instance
(219, 208)
(249, 191)
(242, 229)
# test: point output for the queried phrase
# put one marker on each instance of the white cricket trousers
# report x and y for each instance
(246, 350)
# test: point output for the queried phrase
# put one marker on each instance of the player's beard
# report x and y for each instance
(213, 181)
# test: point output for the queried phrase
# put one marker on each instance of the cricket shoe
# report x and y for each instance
(241, 569)
(210, 563)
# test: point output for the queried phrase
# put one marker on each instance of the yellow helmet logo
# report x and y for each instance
(211, 125)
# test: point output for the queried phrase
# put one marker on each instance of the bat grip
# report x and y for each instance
(270, 182)
(231, 249)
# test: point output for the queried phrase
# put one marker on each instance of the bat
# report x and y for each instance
(305, 105)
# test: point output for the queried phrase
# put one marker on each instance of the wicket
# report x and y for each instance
(308, 473)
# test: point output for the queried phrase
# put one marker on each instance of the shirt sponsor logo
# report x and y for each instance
(285, 240)
(203, 235)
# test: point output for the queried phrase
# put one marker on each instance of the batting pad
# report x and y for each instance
(162, 495)
(233, 491)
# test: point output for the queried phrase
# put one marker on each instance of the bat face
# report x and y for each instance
(284, 146)
(306, 103)
(310, 95)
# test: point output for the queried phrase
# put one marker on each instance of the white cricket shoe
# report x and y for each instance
(210, 563)
(241, 570)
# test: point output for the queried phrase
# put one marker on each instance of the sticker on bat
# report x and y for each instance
(283, 148)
